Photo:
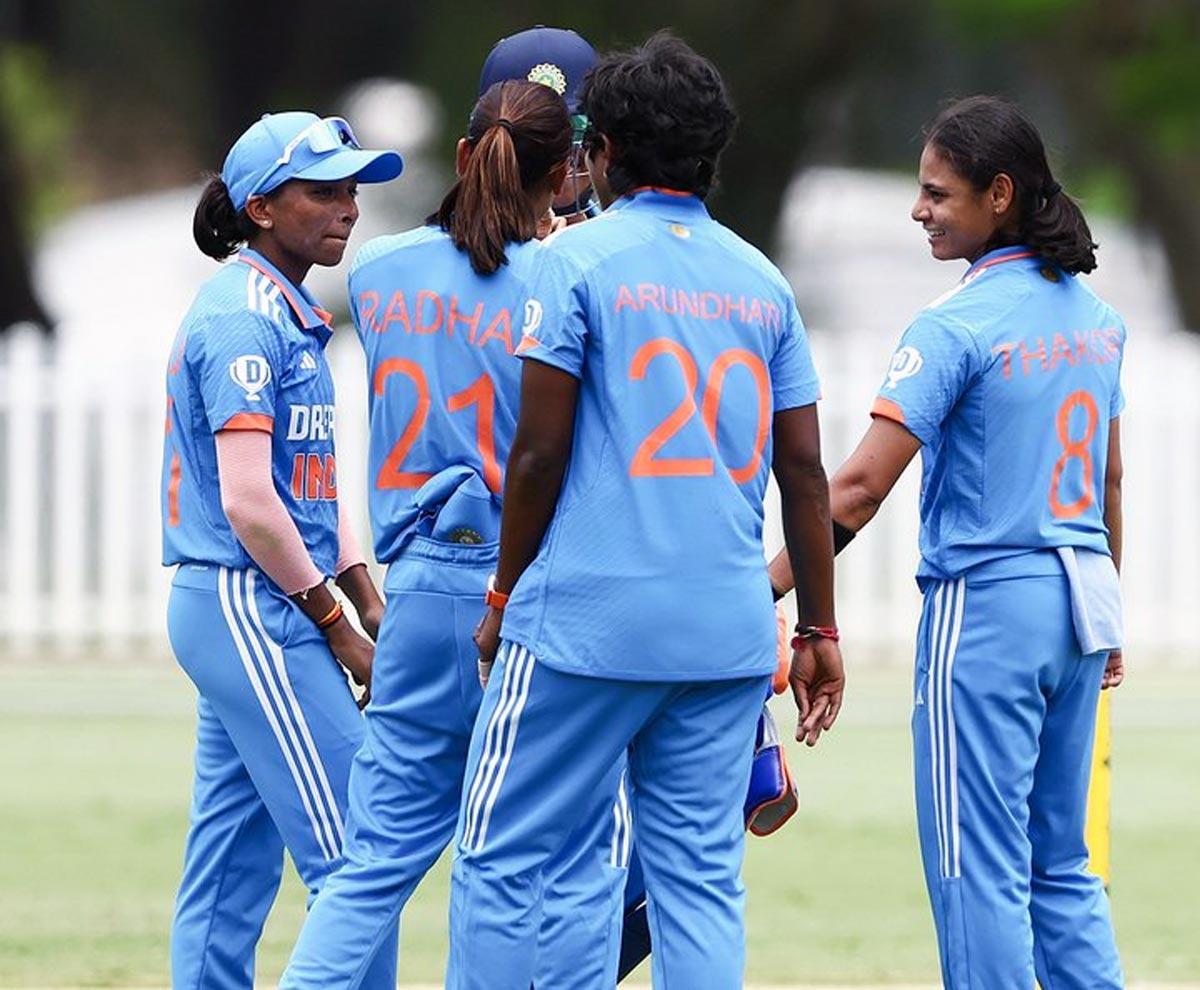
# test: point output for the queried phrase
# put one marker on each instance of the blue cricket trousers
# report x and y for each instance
(406, 788)
(544, 743)
(1003, 725)
(277, 729)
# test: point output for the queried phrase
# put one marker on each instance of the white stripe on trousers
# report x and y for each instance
(234, 609)
(622, 827)
(499, 743)
(483, 770)
(948, 602)
(314, 754)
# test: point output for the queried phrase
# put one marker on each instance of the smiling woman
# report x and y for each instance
(251, 516)
(1009, 385)
(985, 184)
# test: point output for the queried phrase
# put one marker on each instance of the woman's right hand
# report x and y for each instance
(354, 652)
(1114, 671)
(818, 680)
(487, 639)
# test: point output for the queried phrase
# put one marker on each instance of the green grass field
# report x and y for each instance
(96, 767)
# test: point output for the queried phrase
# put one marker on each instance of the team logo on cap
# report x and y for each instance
(251, 372)
(549, 74)
(906, 362)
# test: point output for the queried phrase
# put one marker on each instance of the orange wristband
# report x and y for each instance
(493, 598)
(330, 617)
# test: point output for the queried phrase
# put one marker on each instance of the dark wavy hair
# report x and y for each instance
(982, 136)
(219, 230)
(666, 112)
(518, 132)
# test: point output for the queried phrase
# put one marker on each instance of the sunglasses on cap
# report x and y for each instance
(322, 136)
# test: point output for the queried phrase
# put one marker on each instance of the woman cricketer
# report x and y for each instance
(438, 310)
(1009, 385)
(665, 369)
(252, 519)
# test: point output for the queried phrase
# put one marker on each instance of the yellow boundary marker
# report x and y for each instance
(1099, 831)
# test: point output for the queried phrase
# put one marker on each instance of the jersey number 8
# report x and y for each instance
(1079, 449)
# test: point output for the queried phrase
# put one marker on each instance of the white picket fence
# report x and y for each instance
(81, 442)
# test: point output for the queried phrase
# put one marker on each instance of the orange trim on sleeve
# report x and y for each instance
(176, 477)
(528, 343)
(888, 410)
(250, 421)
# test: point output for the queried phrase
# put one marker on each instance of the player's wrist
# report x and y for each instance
(806, 633)
(494, 597)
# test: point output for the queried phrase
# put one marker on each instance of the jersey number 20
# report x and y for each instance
(646, 464)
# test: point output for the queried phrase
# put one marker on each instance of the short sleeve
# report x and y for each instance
(932, 367)
(238, 364)
(794, 379)
(555, 326)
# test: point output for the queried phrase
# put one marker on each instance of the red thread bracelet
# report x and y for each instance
(805, 633)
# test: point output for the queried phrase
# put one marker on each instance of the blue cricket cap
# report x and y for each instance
(300, 145)
(556, 57)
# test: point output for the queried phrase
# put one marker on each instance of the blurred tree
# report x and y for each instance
(155, 91)
(1128, 75)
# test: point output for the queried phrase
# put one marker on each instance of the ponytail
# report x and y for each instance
(518, 132)
(983, 136)
(217, 227)
(1057, 230)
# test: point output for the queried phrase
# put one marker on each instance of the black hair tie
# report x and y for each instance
(506, 124)
(1051, 190)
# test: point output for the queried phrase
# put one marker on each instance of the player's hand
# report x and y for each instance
(1114, 671)
(548, 224)
(818, 680)
(370, 619)
(354, 652)
(487, 639)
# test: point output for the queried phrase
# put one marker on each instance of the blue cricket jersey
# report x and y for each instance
(250, 354)
(1009, 381)
(444, 385)
(686, 341)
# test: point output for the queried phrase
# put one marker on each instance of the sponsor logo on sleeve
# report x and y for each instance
(308, 362)
(533, 320)
(906, 362)
(252, 373)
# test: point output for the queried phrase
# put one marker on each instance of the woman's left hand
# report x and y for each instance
(818, 680)
(1114, 671)
(487, 638)
(370, 619)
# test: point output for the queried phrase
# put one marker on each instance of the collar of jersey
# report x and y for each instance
(661, 200)
(311, 316)
(1000, 256)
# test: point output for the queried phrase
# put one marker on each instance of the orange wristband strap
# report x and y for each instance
(493, 598)
(330, 617)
